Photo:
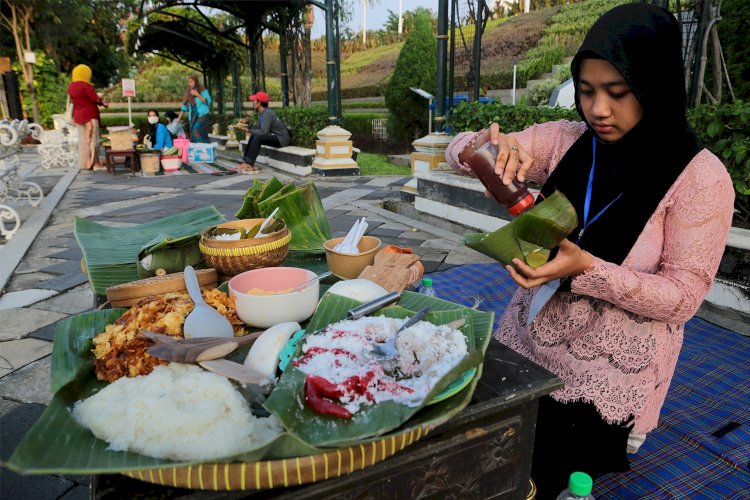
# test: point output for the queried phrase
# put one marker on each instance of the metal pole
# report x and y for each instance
(695, 81)
(282, 62)
(478, 48)
(339, 108)
(452, 63)
(442, 53)
(515, 64)
(429, 109)
(331, 63)
(236, 90)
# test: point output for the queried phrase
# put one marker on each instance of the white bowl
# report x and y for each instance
(267, 310)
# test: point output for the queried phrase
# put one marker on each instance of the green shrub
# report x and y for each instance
(725, 131)
(476, 116)
(416, 67)
(51, 89)
(304, 122)
(361, 123)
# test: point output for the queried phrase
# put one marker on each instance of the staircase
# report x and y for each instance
(505, 96)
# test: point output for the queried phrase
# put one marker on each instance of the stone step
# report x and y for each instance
(505, 96)
(400, 160)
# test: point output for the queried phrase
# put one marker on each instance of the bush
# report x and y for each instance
(361, 123)
(304, 122)
(476, 116)
(734, 15)
(416, 67)
(51, 89)
(725, 131)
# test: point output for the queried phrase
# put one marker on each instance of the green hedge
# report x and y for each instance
(724, 130)
(361, 123)
(476, 116)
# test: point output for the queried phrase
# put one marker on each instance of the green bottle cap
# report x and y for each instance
(580, 484)
(426, 281)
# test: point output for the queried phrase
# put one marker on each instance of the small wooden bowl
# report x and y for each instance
(347, 266)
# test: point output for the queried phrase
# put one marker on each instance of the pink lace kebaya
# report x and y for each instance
(615, 337)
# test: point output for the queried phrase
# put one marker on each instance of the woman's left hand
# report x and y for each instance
(194, 93)
(569, 261)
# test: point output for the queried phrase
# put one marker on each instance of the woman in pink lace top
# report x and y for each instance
(613, 330)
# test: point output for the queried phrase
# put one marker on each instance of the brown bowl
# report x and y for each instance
(347, 266)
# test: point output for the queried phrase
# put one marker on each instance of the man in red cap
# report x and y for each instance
(267, 131)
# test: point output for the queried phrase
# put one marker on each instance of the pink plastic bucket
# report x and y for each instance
(183, 144)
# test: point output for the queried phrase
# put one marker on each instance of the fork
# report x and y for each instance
(387, 350)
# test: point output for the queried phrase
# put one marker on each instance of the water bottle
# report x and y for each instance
(480, 157)
(426, 288)
(579, 487)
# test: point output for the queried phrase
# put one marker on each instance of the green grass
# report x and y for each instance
(377, 164)
(358, 60)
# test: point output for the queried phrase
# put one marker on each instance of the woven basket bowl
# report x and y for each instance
(268, 474)
(246, 224)
(233, 261)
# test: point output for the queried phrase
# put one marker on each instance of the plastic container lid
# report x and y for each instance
(580, 484)
(526, 202)
(426, 281)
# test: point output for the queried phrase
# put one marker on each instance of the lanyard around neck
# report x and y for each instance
(587, 201)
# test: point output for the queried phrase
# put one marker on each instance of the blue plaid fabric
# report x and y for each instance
(688, 455)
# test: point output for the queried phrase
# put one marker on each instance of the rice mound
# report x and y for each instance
(179, 412)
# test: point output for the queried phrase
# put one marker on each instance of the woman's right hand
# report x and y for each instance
(512, 159)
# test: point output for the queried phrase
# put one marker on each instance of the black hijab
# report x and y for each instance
(643, 43)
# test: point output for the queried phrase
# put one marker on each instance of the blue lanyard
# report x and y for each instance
(587, 202)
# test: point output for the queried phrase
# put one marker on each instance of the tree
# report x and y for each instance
(416, 67)
(18, 17)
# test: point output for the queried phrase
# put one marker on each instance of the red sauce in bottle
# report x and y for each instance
(480, 157)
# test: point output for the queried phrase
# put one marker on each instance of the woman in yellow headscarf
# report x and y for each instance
(86, 116)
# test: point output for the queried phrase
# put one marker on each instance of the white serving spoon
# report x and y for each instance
(266, 222)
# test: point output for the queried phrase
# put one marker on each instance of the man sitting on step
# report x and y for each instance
(267, 131)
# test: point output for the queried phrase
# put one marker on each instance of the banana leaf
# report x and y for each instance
(248, 210)
(170, 254)
(531, 235)
(271, 186)
(287, 401)
(57, 444)
(303, 212)
(111, 253)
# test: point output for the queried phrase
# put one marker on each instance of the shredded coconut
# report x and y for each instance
(341, 354)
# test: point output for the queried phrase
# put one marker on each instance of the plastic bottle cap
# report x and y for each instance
(426, 281)
(522, 205)
(580, 484)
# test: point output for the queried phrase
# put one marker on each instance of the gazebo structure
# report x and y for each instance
(183, 38)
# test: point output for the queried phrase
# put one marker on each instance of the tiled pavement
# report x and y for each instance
(48, 284)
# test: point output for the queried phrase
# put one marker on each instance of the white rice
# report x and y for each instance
(178, 412)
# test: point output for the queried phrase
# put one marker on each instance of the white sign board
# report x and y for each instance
(128, 87)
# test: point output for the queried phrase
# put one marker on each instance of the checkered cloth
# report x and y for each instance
(701, 448)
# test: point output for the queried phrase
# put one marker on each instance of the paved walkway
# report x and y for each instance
(47, 285)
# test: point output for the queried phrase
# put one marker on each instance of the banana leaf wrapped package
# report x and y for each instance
(170, 254)
(531, 236)
(299, 206)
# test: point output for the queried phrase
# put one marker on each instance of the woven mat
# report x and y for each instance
(192, 168)
(701, 448)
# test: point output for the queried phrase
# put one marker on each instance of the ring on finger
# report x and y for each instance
(513, 148)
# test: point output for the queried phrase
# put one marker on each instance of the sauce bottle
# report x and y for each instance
(480, 157)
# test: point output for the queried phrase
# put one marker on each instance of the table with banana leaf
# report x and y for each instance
(477, 443)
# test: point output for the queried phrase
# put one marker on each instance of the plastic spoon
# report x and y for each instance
(265, 223)
(204, 320)
(343, 246)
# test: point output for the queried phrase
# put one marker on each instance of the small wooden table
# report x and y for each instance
(110, 156)
(482, 452)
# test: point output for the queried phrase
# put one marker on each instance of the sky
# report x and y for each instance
(376, 15)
